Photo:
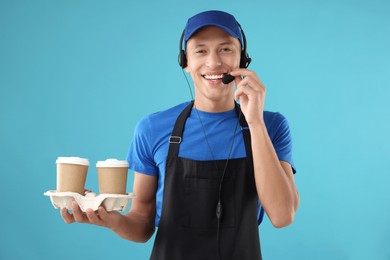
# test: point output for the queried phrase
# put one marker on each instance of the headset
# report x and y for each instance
(245, 60)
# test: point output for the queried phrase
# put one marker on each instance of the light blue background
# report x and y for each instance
(76, 76)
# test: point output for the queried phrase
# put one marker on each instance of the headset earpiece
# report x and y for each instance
(245, 60)
(182, 54)
(182, 59)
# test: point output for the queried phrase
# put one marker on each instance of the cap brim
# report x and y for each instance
(194, 30)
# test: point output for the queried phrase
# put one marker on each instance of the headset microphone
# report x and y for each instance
(227, 78)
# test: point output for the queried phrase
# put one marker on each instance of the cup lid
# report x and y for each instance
(72, 160)
(112, 163)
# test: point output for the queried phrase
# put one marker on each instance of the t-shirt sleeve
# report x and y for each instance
(140, 155)
(282, 140)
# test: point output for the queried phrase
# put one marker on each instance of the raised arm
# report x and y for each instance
(274, 179)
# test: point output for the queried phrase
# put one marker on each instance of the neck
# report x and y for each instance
(214, 106)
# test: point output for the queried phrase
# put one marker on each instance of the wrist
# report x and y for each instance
(258, 126)
(116, 222)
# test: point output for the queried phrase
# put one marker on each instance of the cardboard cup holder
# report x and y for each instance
(90, 200)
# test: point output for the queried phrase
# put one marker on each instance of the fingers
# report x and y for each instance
(243, 92)
(103, 214)
(66, 216)
(87, 191)
(90, 216)
(78, 215)
(94, 217)
(247, 74)
(100, 217)
(103, 218)
(249, 86)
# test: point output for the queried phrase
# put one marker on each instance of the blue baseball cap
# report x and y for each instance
(222, 20)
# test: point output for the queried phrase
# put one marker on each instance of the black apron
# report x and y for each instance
(188, 224)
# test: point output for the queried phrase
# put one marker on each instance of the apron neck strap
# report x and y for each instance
(177, 132)
(245, 130)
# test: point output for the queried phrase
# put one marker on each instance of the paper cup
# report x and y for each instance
(71, 174)
(112, 176)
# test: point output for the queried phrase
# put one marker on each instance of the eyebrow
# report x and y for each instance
(222, 43)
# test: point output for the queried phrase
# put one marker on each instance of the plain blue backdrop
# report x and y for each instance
(76, 76)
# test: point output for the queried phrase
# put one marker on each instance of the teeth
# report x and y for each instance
(213, 76)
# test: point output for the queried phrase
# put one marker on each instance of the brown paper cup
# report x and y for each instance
(112, 176)
(71, 174)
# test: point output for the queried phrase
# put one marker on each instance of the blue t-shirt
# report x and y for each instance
(149, 147)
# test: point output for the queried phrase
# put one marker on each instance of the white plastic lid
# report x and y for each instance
(73, 160)
(112, 163)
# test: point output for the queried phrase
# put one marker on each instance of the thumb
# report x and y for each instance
(110, 219)
(103, 214)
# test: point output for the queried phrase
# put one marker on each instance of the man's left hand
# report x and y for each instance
(251, 94)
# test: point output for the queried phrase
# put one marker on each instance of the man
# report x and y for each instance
(206, 170)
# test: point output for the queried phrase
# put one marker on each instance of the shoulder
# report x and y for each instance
(274, 119)
(276, 123)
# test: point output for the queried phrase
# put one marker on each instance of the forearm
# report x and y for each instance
(275, 188)
(135, 227)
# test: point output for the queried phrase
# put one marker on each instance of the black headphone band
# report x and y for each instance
(244, 61)
(182, 53)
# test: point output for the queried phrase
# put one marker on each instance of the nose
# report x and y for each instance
(213, 60)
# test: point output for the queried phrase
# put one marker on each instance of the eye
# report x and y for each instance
(200, 51)
(226, 50)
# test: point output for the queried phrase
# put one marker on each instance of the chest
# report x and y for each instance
(198, 139)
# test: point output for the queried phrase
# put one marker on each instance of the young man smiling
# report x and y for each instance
(212, 53)
(202, 179)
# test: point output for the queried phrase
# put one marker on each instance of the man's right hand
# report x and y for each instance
(100, 217)
(137, 225)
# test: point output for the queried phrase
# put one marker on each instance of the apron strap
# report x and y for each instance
(177, 132)
(245, 131)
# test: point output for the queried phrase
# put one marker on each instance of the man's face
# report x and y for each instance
(211, 53)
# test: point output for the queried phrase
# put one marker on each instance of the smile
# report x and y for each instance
(213, 77)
